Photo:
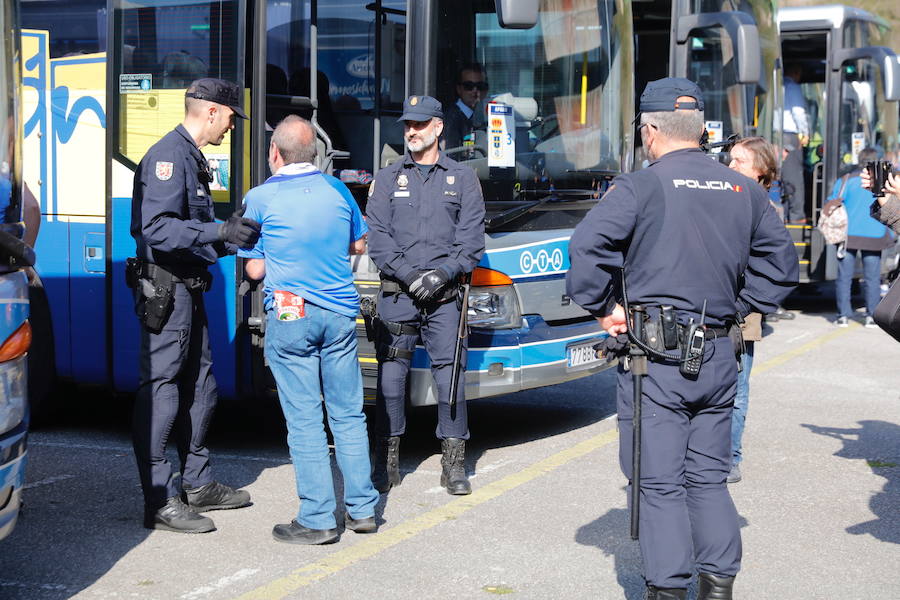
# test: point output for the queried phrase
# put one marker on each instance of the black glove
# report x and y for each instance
(240, 231)
(428, 284)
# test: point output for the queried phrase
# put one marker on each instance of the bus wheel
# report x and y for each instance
(41, 355)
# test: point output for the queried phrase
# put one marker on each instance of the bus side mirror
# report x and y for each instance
(742, 30)
(517, 14)
(891, 69)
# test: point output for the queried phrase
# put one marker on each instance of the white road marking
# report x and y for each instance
(128, 450)
(224, 582)
(798, 337)
(47, 481)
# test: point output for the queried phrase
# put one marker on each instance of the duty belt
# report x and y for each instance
(193, 278)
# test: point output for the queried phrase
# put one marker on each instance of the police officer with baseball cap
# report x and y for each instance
(700, 247)
(426, 229)
(177, 239)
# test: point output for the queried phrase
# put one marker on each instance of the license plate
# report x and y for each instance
(582, 355)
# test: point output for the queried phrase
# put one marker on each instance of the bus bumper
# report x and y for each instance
(13, 456)
(503, 361)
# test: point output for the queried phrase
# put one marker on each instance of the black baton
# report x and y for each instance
(461, 333)
(638, 370)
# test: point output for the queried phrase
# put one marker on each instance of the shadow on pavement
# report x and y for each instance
(510, 420)
(609, 533)
(870, 442)
(83, 507)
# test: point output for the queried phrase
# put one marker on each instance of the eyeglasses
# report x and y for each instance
(481, 86)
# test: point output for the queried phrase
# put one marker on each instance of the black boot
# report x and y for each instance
(387, 463)
(453, 465)
(176, 516)
(713, 587)
(655, 593)
(216, 496)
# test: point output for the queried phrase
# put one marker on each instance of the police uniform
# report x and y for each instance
(687, 231)
(177, 238)
(421, 220)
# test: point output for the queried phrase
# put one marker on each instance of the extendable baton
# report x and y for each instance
(461, 333)
(638, 370)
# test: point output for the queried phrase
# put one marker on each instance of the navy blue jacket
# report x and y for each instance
(422, 224)
(686, 229)
(172, 217)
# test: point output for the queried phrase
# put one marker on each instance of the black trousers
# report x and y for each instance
(792, 176)
(177, 392)
(687, 516)
(438, 327)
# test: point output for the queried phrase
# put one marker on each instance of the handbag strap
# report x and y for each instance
(844, 180)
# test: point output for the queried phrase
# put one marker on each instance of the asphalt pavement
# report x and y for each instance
(819, 502)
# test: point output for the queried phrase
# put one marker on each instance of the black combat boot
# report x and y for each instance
(453, 465)
(176, 516)
(655, 593)
(713, 587)
(216, 496)
(387, 463)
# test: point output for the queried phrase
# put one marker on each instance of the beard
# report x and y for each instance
(421, 142)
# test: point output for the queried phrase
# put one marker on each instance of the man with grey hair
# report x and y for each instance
(670, 259)
(310, 226)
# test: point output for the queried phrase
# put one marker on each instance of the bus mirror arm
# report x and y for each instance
(20, 252)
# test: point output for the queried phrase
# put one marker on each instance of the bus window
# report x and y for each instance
(862, 121)
(76, 26)
(347, 92)
(163, 49)
(567, 82)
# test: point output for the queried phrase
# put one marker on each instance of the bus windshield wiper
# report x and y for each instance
(497, 221)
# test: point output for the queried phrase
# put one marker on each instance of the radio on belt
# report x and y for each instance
(692, 350)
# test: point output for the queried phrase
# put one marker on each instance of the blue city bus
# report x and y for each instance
(104, 79)
(15, 257)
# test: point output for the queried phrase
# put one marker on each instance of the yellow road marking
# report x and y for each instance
(388, 538)
(331, 564)
(786, 356)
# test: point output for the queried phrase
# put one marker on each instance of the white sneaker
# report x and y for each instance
(842, 322)
(870, 323)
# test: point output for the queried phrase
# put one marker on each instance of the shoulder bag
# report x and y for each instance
(833, 220)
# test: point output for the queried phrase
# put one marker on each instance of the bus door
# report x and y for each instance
(342, 65)
(157, 47)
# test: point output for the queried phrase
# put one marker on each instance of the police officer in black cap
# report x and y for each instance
(426, 229)
(177, 239)
(692, 237)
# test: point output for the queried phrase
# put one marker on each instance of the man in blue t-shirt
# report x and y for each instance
(310, 226)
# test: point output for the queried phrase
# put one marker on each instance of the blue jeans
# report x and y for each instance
(312, 357)
(871, 260)
(741, 400)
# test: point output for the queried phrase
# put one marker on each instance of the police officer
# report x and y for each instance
(688, 233)
(426, 229)
(177, 239)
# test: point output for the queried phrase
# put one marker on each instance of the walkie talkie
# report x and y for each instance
(692, 350)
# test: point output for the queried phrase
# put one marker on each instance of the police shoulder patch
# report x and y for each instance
(164, 170)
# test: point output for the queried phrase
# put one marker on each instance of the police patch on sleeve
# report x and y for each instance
(164, 170)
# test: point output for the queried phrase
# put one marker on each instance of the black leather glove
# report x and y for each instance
(240, 231)
(428, 285)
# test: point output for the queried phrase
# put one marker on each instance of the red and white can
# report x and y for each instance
(288, 306)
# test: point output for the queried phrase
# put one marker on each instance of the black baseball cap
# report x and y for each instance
(219, 91)
(662, 95)
(421, 108)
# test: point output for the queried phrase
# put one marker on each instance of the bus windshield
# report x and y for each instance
(541, 109)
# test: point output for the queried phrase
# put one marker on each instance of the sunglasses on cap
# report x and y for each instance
(481, 86)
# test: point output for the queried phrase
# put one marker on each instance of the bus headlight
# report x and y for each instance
(13, 396)
(494, 307)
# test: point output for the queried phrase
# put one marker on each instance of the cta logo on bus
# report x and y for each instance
(541, 262)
